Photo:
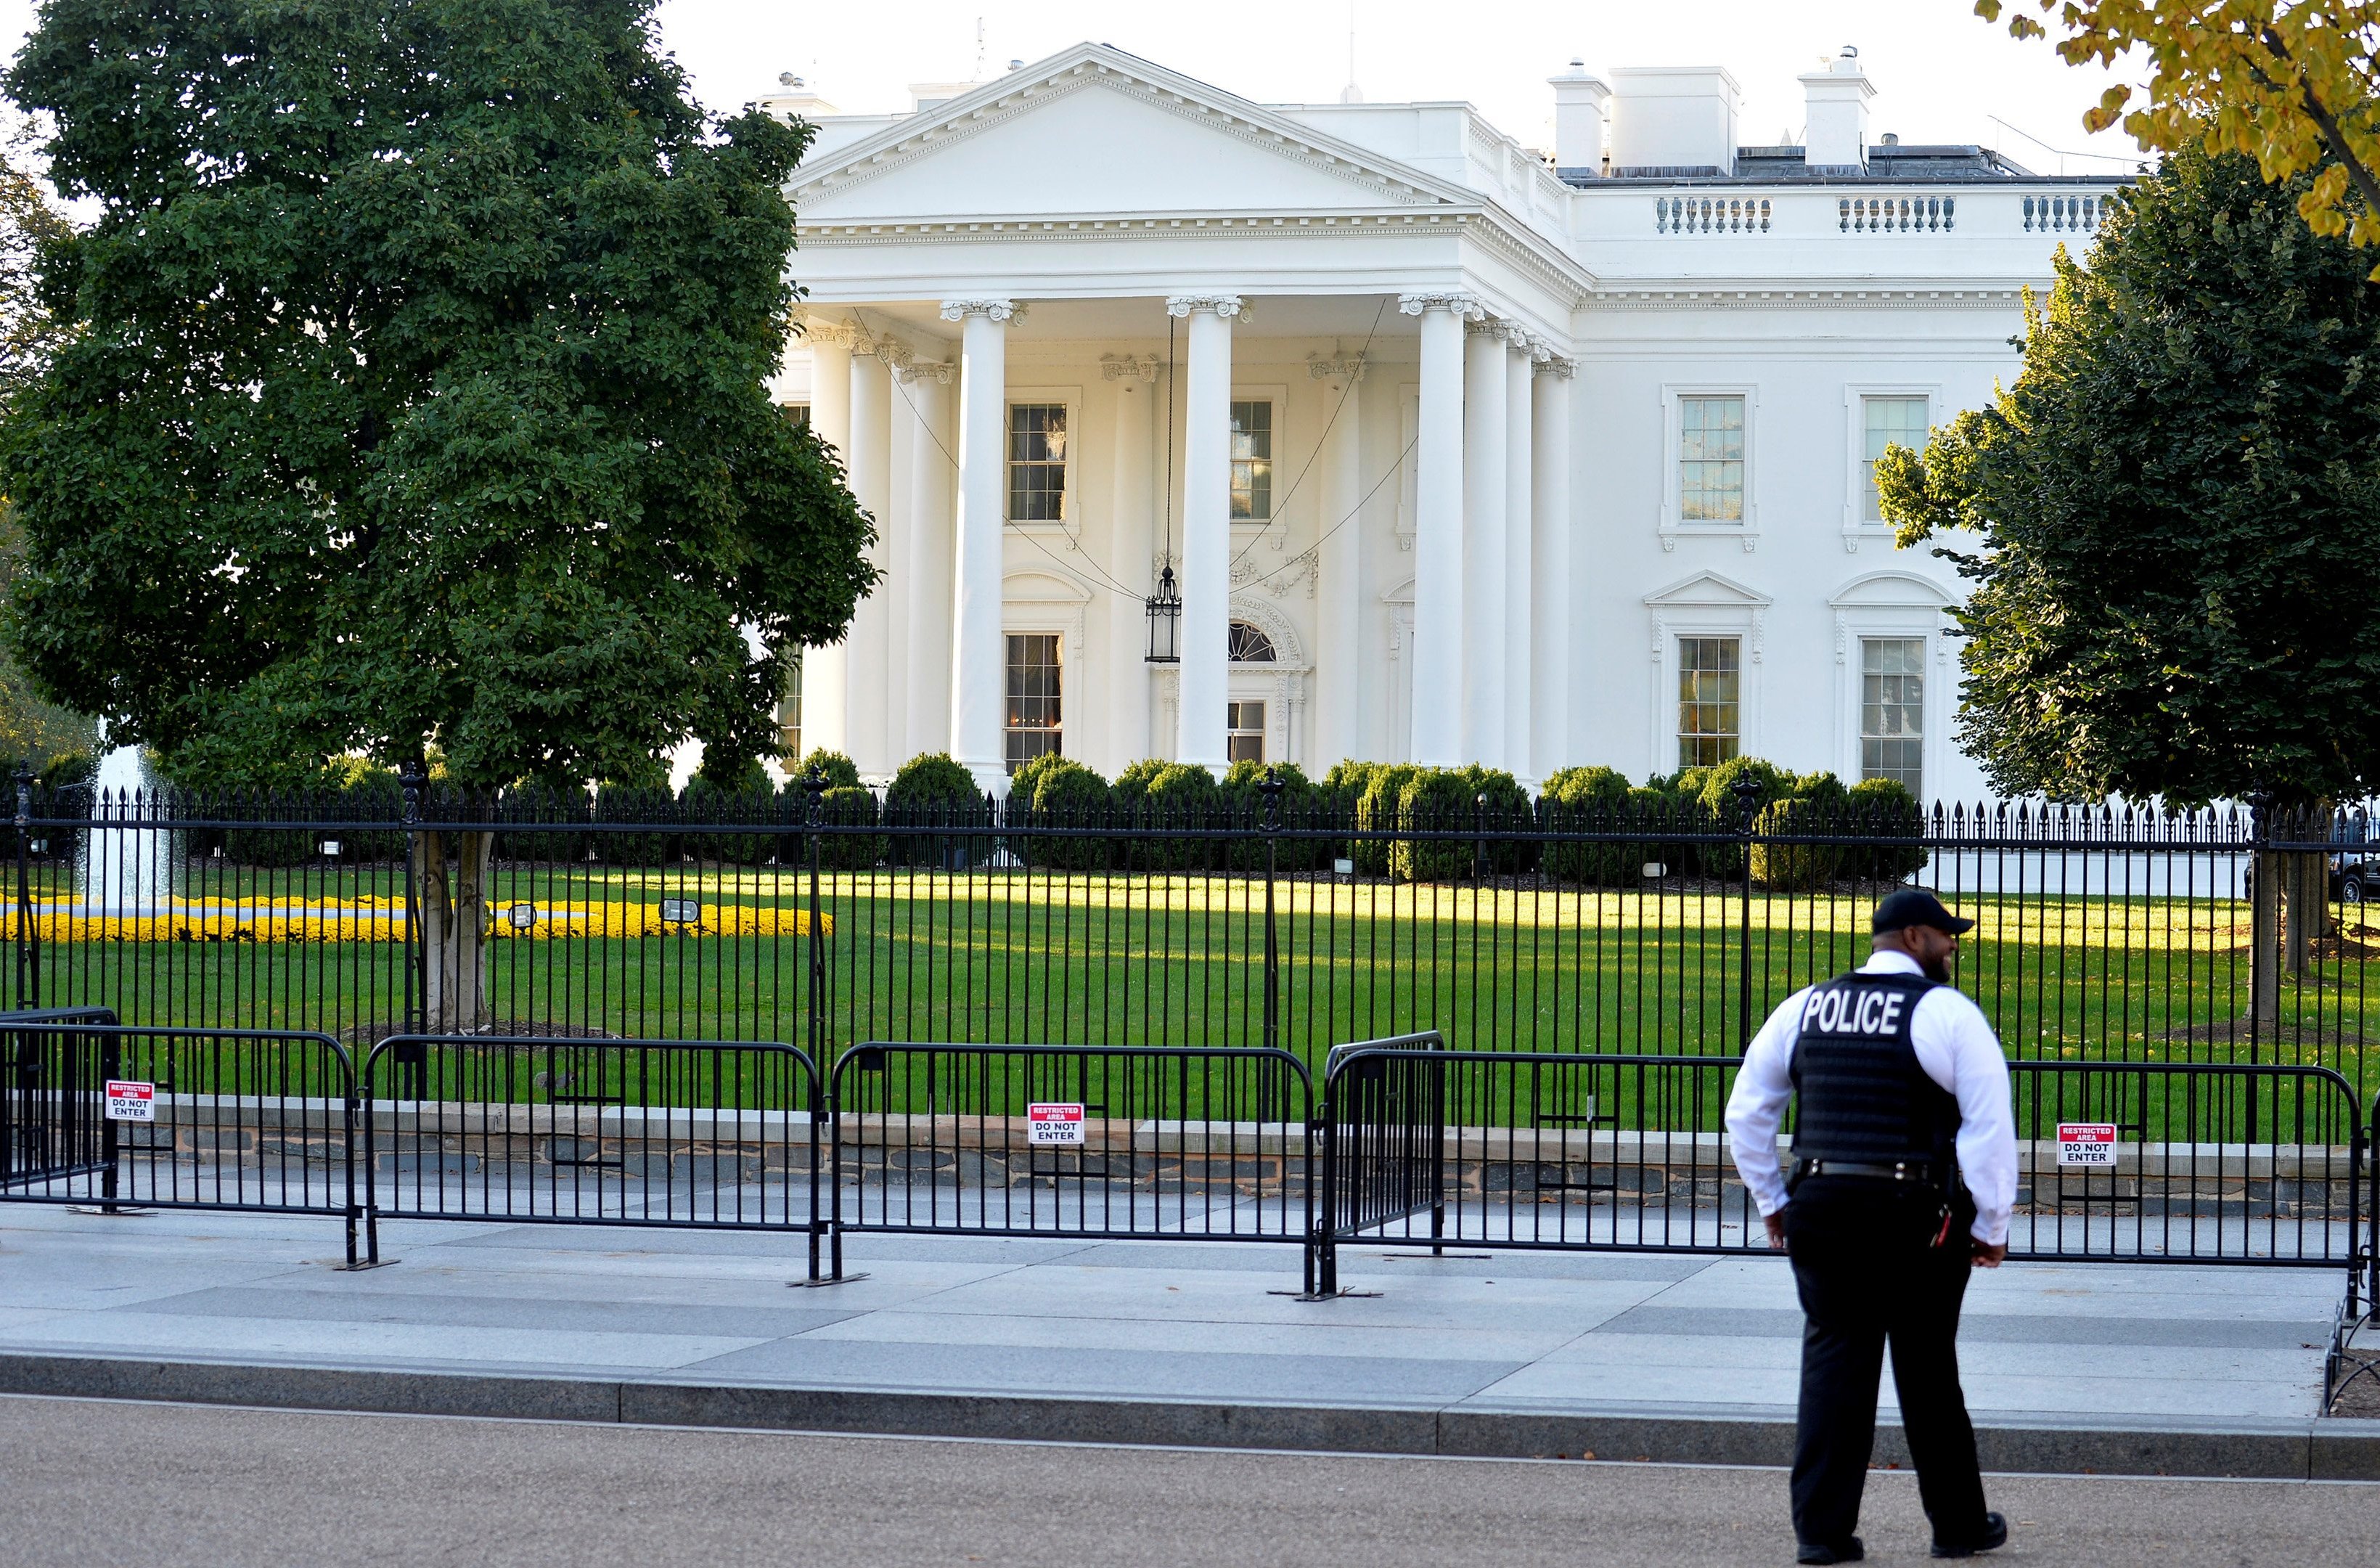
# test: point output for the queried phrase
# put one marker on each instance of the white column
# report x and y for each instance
(930, 559)
(825, 710)
(1436, 650)
(1206, 526)
(867, 470)
(1519, 753)
(1550, 563)
(1337, 722)
(1134, 551)
(978, 668)
(1483, 472)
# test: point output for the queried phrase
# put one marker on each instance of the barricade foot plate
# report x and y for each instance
(112, 1211)
(820, 1285)
(1322, 1295)
(360, 1264)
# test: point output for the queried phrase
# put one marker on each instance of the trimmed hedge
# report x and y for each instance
(1378, 812)
(1592, 800)
(1072, 793)
(1885, 806)
(841, 771)
(933, 790)
(850, 806)
(1435, 799)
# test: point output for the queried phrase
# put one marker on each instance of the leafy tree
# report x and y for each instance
(2286, 82)
(414, 404)
(2179, 503)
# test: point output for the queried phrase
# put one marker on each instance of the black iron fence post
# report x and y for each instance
(1272, 788)
(814, 1029)
(1748, 792)
(28, 938)
(411, 779)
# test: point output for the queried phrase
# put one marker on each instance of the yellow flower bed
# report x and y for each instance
(382, 919)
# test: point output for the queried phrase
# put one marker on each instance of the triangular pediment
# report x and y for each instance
(1707, 589)
(1096, 131)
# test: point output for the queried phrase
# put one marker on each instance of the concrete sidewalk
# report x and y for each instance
(2106, 1366)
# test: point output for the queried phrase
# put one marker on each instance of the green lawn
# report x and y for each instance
(1178, 961)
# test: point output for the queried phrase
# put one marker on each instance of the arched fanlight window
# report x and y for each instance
(1250, 646)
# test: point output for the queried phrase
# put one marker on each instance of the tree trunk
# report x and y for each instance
(2264, 938)
(2309, 910)
(454, 929)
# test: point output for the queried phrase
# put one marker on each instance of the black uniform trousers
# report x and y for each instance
(1867, 1275)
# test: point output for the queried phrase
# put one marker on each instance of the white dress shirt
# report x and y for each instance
(1957, 1049)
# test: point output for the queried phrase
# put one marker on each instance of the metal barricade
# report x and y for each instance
(592, 1131)
(1084, 1142)
(1531, 1150)
(2201, 1163)
(128, 1116)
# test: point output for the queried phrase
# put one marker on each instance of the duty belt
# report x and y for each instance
(1900, 1171)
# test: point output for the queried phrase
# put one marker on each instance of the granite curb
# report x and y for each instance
(2311, 1449)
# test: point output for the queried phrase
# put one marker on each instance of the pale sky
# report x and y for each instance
(1940, 73)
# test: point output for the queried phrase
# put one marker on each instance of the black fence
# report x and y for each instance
(2104, 934)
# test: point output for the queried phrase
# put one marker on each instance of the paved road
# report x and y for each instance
(92, 1483)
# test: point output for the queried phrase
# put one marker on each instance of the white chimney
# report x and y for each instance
(1835, 135)
(1677, 117)
(793, 96)
(1579, 101)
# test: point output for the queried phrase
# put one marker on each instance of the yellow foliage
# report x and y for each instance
(382, 919)
(2284, 82)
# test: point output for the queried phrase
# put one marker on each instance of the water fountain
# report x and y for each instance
(126, 871)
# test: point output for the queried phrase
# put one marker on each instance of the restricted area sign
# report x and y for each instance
(2087, 1144)
(131, 1101)
(1054, 1123)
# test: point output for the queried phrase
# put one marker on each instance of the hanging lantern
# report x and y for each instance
(1165, 621)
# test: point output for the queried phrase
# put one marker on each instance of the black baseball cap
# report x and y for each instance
(1915, 906)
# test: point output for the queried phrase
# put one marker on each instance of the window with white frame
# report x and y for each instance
(789, 708)
(1249, 645)
(1892, 709)
(1889, 421)
(1710, 700)
(1243, 731)
(1034, 727)
(1037, 462)
(797, 414)
(1710, 459)
(1251, 462)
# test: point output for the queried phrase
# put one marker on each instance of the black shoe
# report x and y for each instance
(1849, 1550)
(1994, 1533)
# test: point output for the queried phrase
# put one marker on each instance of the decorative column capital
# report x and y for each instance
(1224, 305)
(1461, 305)
(922, 370)
(1352, 366)
(822, 329)
(1119, 366)
(1549, 363)
(1002, 310)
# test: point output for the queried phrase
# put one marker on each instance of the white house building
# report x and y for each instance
(1454, 451)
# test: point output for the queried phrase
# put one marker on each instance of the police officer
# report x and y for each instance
(1904, 1171)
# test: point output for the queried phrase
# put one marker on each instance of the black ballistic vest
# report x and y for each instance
(1862, 1095)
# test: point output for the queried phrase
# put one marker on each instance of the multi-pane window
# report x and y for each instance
(1037, 462)
(1243, 731)
(796, 413)
(789, 708)
(1710, 459)
(1249, 645)
(1892, 709)
(1891, 421)
(1251, 462)
(1709, 699)
(1034, 727)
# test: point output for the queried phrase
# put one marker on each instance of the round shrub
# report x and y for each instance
(1883, 809)
(1795, 867)
(545, 815)
(849, 805)
(933, 790)
(737, 794)
(1023, 783)
(1590, 800)
(1068, 795)
(1294, 848)
(1501, 804)
(841, 771)
(1724, 857)
(1183, 798)
(1436, 799)
(1377, 817)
